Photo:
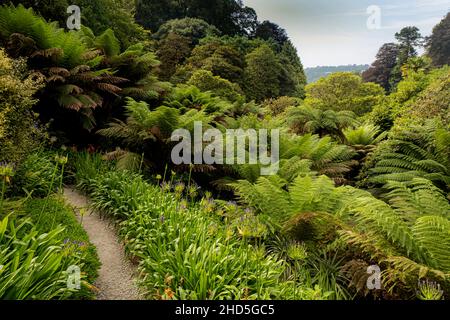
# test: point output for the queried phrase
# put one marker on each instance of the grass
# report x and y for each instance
(34, 264)
(187, 250)
(57, 213)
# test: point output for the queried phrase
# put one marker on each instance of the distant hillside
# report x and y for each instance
(314, 74)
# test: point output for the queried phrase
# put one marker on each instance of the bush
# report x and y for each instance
(38, 174)
(206, 81)
(278, 106)
(84, 166)
(19, 131)
(344, 91)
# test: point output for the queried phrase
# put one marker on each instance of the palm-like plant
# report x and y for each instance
(364, 136)
(148, 131)
(68, 66)
(298, 155)
(364, 141)
(137, 63)
(409, 236)
(327, 157)
(415, 152)
(283, 203)
(186, 98)
(305, 119)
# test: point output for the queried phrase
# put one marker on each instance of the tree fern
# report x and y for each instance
(416, 152)
(433, 234)
(409, 235)
(305, 119)
(272, 196)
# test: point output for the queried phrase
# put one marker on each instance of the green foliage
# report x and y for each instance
(191, 28)
(19, 132)
(327, 157)
(34, 264)
(135, 68)
(261, 74)
(282, 205)
(47, 214)
(381, 69)
(61, 59)
(53, 10)
(141, 121)
(206, 81)
(365, 135)
(36, 175)
(185, 251)
(293, 78)
(299, 234)
(278, 106)
(172, 51)
(84, 166)
(305, 119)
(343, 91)
(408, 236)
(98, 15)
(413, 95)
(432, 102)
(421, 151)
(213, 55)
(146, 133)
(65, 47)
(189, 98)
(229, 16)
(409, 39)
(117, 15)
(438, 45)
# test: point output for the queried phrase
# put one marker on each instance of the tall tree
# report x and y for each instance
(54, 10)
(221, 59)
(381, 69)
(293, 78)
(229, 16)
(438, 45)
(192, 28)
(98, 15)
(270, 31)
(172, 51)
(262, 74)
(409, 38)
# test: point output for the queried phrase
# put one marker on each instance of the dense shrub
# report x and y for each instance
(19, 132)
(206, 81)
(407, 236)
(39, 173)
(343, 91)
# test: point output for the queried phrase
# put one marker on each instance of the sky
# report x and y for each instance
(341, 32)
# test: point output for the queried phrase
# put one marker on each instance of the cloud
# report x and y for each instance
(398, 24)
(330, 32)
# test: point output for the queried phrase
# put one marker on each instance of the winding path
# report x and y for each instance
(117, 274)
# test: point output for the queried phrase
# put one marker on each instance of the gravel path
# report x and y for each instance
(116, 275)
